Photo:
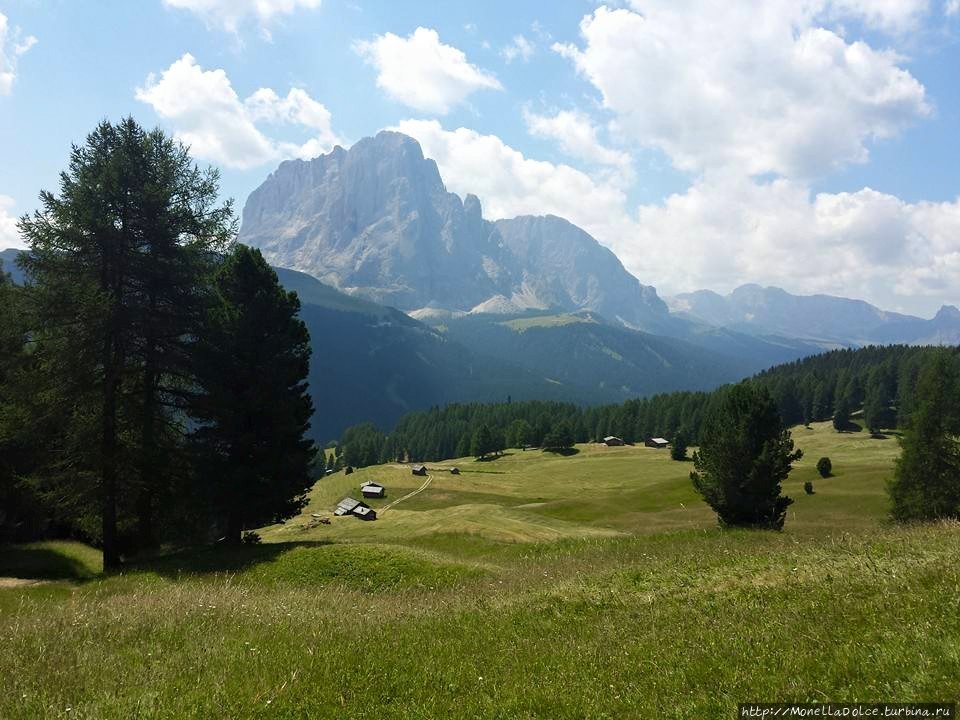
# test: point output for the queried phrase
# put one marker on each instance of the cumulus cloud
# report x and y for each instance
(229, 15)
(423, 73)
(9, 235)
(208, 115)
(519, 47)
(13, 44)
(576, 134)
(863, 244)
(789, 97)
(951, 7)
(724, 230)
(508, 183)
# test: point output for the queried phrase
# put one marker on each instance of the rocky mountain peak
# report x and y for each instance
(376, 220)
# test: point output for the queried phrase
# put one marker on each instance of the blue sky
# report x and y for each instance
(809, 144)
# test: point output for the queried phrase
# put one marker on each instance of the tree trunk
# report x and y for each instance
(148, 457)
(234, 530)
(108, 460)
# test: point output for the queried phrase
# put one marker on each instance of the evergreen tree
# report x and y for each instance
(253, 409)
(841, 414)
(559, 438)
(519, 434)
(745, 454)
(926, 483)
(678, 448)
(482, 443)
(824, 467)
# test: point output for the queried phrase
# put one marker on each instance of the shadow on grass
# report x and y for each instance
(37, 563)
(566, 452)
(219, 558)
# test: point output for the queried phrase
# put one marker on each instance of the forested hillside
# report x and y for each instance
(878, 382)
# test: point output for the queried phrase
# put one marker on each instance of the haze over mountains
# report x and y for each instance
(528, 307)
(770, 310)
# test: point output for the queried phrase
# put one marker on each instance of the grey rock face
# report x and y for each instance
(377, 221)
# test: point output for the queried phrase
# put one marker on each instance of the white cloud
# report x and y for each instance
(864, 244)
(208, 115)
(577, 136)
(786, 97)
(510, 184)
(423, 73)
(519, 47)
(13, 44)
(951, 7)
(725, 230)
(229, 15)
(9, 235)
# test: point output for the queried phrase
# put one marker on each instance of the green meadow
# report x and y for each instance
(594, 585)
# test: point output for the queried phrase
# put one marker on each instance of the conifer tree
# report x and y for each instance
(253, 410)
(117, 263)
(745, 454)
(926, 483)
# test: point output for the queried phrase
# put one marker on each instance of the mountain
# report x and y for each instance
(374, 363)
(376, 221)
(826, 319)
(8, 258)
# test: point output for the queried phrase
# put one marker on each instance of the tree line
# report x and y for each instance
(152, 375)
(878, 382)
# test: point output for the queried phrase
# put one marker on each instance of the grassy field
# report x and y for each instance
(532, 586)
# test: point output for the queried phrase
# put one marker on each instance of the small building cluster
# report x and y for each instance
(357, 508)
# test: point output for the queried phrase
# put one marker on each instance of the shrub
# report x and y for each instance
(824, 467)
(808, 487)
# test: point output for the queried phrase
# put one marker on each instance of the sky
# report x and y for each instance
(806, 144)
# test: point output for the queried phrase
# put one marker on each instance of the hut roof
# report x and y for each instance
(348, 505)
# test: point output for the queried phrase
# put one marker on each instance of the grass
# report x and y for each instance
(592, 586)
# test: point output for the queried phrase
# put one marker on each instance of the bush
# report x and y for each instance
(824, 467)
(251, 538)
(808, 487)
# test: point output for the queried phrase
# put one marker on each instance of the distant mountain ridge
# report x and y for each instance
(376, 221)
(824, 318)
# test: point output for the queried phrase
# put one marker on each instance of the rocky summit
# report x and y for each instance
(377, 221)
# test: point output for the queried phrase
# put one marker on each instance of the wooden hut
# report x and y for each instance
(349, 506)
(371, 489)
(656, 442)
(420, 470)
(612, 441)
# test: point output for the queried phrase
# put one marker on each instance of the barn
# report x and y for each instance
(349, 506)
(612, 441)
(365, 513)
(371, 489)
(656, 443)
(454, 471)
(419, 469)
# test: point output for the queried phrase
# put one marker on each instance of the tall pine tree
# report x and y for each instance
(926, 483)
(253, 410)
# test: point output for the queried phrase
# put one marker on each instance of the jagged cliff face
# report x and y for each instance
(377, 221)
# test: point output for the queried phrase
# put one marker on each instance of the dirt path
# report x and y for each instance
(12, 582)
(420, 489)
